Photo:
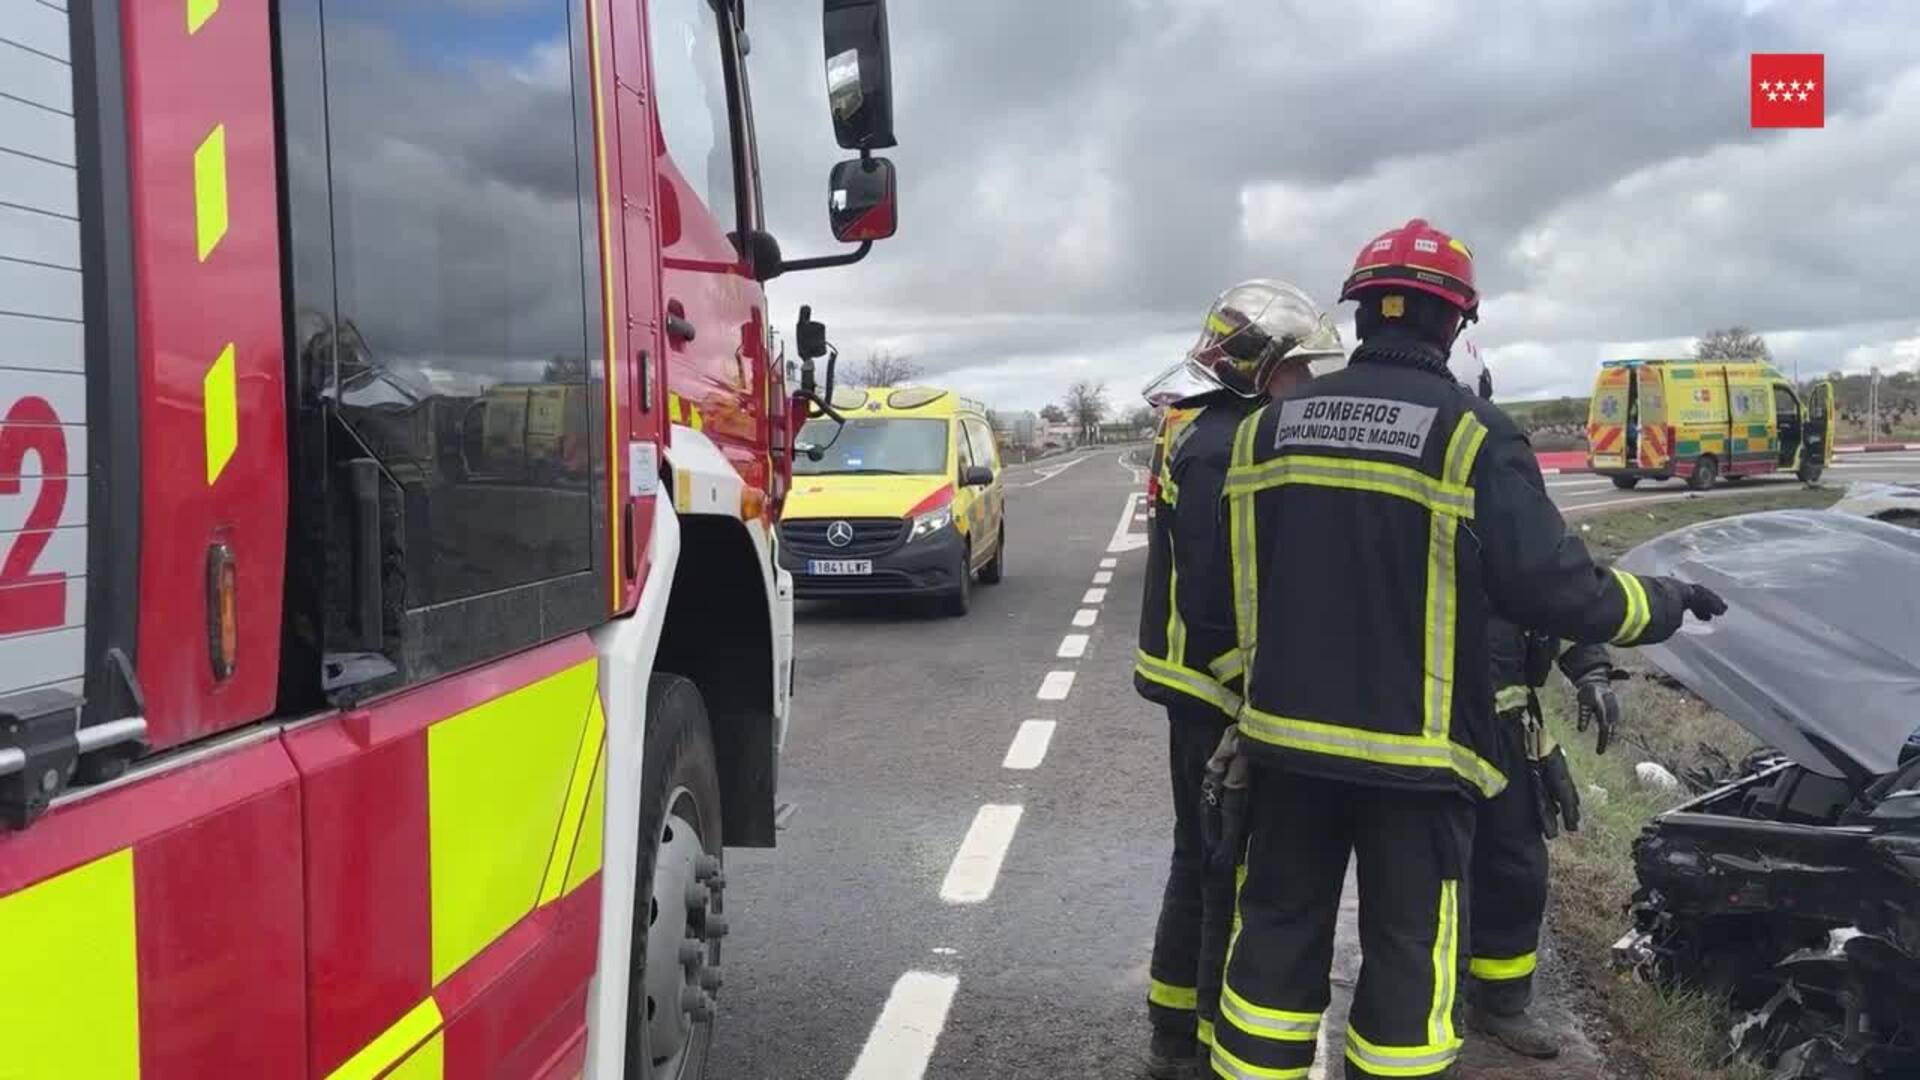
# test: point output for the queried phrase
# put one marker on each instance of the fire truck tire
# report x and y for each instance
(678, 920)
(960, 600)
(1626, 483)
(991, 573)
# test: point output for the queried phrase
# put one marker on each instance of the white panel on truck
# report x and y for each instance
(43, 399)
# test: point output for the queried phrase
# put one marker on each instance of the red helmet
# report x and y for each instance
(1416, 256)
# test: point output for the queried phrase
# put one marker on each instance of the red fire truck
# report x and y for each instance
(366, 710)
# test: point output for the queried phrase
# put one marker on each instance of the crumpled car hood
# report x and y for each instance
(1819, 652)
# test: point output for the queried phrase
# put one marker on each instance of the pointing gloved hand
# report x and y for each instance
(1703, 602)
(1598, 704)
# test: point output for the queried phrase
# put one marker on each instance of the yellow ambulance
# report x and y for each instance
(900, 496)
(1702, 420)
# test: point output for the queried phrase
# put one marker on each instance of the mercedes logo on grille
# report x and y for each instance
(840, 534)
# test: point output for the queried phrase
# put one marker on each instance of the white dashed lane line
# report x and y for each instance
(976, 866)
(1029, 747)
(1056, 686)
(903, 1039)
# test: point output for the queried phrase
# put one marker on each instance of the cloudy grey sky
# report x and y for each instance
(1079, 177)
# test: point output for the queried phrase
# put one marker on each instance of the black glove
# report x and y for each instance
(1703, 602)
(1223, 805)
(1554, 793)
(1598, 705)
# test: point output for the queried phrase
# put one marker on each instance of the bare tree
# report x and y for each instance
(1053, 414)
(883, 368)
(1086, 405)
(1732, 343)
(1140, 417)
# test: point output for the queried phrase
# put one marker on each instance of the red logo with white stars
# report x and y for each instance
(1789, 90)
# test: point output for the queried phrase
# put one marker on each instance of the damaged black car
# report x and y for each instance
(1794, 888)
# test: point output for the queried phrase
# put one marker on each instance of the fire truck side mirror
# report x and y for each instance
(809, 337)
(862, 203)
(859, 73)
(815, 399)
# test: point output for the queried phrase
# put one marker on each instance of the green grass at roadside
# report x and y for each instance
(1670, 1036)
(1613, 533)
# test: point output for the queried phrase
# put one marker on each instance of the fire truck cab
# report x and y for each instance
(392, 633)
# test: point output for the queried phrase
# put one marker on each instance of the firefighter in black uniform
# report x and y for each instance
(1376, 517)
(1508, 877)
(1260, 338)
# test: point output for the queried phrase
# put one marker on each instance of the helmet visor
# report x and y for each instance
(1184, 379)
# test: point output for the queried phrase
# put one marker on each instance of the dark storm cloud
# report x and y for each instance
(1075, 173)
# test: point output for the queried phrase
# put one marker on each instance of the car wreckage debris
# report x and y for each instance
(1792, 887)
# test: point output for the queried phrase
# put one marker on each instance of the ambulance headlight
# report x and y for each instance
(930, 522)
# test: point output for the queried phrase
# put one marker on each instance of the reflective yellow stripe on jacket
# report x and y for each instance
(1634, 622)
(1448, 501)
(1186, 680)
(1508, 698)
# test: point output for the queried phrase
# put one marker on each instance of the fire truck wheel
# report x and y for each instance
(1626, 483)
(997, 569)
(960, 600)
(677, 913)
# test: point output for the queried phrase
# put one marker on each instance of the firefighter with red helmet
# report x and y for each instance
(1377, 517)
(1260, 338)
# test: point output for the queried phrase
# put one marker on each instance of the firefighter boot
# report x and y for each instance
(1519, 1032)
(1174, 1056)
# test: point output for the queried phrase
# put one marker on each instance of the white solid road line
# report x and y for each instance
(1029, 747)
(903, 1038)
(1108, 564)
(1094, 596)
(1086, 616)
(1102, 577)
(1123, 539)
(1048, 472)
(1073, 647)
(976, 866)
(1056, 686)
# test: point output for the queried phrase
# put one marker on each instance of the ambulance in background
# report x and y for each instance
(1701, 420)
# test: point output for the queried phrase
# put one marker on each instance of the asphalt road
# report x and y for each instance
(931, 911)
(1583, 492)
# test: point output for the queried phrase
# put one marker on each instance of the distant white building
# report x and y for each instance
(1017, 429)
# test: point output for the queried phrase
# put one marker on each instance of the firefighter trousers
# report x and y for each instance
(1410, 849)
(1180, 993)
(1509, 885)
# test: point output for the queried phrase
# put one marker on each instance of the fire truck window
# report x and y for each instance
(461, 351)
(690, 83)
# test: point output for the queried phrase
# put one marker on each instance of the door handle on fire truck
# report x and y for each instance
(86, 740)
(678, 328)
